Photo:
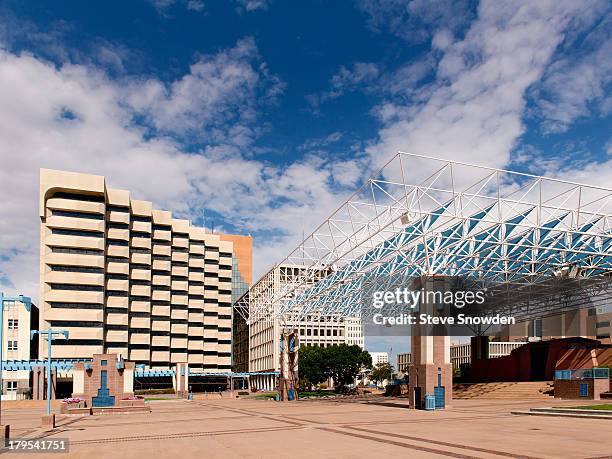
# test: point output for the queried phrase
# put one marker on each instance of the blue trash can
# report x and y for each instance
(430, 402)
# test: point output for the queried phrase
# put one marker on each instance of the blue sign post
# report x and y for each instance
(50, 334)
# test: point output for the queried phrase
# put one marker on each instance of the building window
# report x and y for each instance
(13, 324)
(76, 251)
(537, 328)
(70, 232)
(11, 386)
(12, 345)
(64, 213)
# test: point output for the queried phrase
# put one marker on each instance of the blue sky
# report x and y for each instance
(260, 116)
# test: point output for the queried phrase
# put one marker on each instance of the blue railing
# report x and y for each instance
(585, 373)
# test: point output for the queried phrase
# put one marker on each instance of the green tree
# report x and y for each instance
(311, 368)
(381, 372)
(343, 363)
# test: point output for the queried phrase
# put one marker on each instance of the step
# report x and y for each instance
(569, 410)
(584, 414)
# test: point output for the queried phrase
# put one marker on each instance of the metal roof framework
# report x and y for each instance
(424, 216)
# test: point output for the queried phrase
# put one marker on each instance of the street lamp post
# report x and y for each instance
(50, 334)
(9, 300)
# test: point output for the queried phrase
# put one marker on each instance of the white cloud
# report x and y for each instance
(577, 84)
(347, 79)
(359, 75)
(195, 5)
(161, 5)
(414, 20)
(321, 142)
(100, 136)
(473, 112)
(220, 90)
(252, 5)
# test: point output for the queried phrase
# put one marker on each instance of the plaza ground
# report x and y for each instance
(323, 428)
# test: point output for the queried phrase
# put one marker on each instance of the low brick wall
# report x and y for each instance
(570, 389)
(65, 407)
(10, 404)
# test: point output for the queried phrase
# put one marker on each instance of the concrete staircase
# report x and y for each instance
(531, 390)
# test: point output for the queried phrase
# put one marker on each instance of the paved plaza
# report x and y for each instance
(326, 428)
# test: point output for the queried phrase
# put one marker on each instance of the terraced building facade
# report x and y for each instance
(125, 278)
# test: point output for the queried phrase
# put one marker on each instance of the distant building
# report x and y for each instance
(242, 277)
(403, 361)
(590, 323)
(379, 357)
(461, 354)
(313, 329)
(19, 320)
(242, 263)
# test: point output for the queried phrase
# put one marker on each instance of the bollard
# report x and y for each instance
(7, 434)
(49, 421)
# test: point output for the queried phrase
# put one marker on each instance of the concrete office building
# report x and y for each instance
(18, 345)
(128, 279)
(379, 358)
(313, 329)
(403, 362)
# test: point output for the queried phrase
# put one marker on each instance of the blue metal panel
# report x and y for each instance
(563, 374)
(439, 397)
(103, 398)
(584, 390)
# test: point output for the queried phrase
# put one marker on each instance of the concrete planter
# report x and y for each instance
(64, 407)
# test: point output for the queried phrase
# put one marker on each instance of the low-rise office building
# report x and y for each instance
(403, 362)
(461, 354)
(379, 358)
(18, 345)
(125, 278)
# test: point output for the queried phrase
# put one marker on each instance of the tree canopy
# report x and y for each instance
(381, 372)
(341, 362)
(311, 369)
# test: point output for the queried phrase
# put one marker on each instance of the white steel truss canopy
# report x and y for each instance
(423, 216)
